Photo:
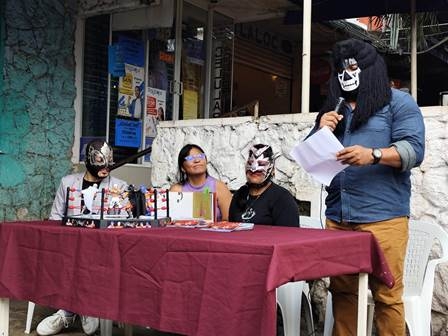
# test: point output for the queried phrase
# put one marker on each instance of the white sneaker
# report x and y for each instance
(53, 324)
(89, 324)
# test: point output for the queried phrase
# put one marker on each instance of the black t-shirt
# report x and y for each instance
(275, 206)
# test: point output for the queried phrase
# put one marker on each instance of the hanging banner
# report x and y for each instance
(131, 92)
(128, 133)
(156, 103)
(221, 78)
(155, 110)
(126, 51)
(116, 64)
(133, 51)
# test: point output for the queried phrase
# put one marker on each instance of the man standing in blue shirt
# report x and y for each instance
(383, 135)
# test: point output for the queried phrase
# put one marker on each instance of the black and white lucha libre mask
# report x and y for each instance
(261, 159)
(99, 155)
(349, 75)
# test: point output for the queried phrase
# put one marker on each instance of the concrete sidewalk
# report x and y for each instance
(17, 320)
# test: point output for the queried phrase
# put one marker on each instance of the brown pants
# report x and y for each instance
(392, 236)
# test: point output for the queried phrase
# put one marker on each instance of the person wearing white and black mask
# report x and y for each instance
(383, 135)
(260, 200)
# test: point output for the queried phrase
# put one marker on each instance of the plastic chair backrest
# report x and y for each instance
(422, 236)
(311, 223)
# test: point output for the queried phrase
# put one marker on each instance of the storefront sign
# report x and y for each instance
(217, 81)
(263, 38)
(128, 133)
(221, 79)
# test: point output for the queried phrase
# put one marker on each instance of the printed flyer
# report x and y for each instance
(130, 92)
(155, 110)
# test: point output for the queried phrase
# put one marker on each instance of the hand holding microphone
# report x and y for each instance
(332, 118)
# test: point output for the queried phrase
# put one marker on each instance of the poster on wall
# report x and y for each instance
(116, 63)
(128, 133)
(155, 110)
(131, 92)
(133, 50)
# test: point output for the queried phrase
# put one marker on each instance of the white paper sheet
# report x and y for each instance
(182, 205)
(317, 155)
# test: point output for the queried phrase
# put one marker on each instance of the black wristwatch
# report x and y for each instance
(377, 154)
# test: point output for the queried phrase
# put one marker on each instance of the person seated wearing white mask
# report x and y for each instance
(260, 200)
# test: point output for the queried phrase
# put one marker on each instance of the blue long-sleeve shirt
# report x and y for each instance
(378, 192)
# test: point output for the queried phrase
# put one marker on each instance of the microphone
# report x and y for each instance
(339, 104)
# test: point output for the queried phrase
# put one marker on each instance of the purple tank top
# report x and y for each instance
(210, 183)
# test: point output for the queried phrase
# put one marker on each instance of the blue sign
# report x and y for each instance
(128, 133)
(133, 51)
(116, 64)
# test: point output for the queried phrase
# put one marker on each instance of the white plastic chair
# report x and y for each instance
(311, 223)
(289, 298)
(418, 280)
(291, 295)
(419, 274)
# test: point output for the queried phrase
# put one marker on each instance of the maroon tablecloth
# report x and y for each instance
(185, 281)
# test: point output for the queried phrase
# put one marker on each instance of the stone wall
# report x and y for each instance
(37, 114)
(226, 142)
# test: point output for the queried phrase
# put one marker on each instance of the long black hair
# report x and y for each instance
(184, 152)
(374, 90)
